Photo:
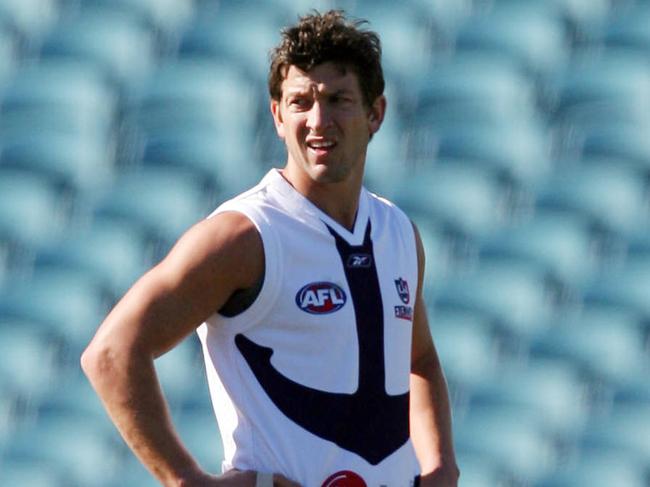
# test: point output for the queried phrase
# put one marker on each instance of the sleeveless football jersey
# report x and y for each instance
(312, 380)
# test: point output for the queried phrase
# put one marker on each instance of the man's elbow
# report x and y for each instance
(98, 360)
(90, 360)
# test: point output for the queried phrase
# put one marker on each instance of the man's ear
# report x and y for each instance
(277, 118)
(376, 114)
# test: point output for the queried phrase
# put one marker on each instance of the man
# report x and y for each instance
(306, 292)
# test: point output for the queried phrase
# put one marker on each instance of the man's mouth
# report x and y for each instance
(321, 146)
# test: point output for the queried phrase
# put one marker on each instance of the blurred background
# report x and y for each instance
(517, 137)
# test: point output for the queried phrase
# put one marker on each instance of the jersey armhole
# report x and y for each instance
(270, 285)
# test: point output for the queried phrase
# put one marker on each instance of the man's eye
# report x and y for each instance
(340, 99)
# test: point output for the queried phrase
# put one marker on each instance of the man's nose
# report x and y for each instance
(319, 116)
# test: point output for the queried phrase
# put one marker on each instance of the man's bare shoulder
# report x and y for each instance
(226, 244)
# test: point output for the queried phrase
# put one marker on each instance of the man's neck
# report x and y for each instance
(340, 201)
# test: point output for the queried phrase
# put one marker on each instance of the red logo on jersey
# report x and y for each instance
(344, 478)
(320, 298)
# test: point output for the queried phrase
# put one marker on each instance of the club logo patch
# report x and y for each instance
(321, 298)
(344, 478)
(403, 290)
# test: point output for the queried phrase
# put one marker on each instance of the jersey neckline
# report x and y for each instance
(354, 237)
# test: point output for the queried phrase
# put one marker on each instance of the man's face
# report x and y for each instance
(324, 122)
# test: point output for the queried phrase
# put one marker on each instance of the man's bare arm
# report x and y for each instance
(211, 261)
(430, 410)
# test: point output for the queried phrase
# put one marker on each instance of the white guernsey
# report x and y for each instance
(312, 379)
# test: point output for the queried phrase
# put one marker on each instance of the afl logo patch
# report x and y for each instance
(345, 478)
(321, 298)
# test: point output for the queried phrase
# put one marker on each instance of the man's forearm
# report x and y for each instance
(128, 386)
(430, 419)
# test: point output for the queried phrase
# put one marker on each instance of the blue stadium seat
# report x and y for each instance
(31, 209)
(596, 470)
(472, 89)
(582, 16)
(29, 18)
(612, 198)
(626, 287)
(210, 154)
(112, 42)
(606, 345)
(460, 334)
(478, 470)
(516, 297)
(560, 243)
(165, 16)
(8, 53)
(112, 254)
(626, 146)
(179, 371)
(199, 431)
(240, 33)
(628, 29)
(638, 245)
(549, 390)
(65, 303)
(624, 431)
(195, 94)
(512, 440)
(402, 28)
(387, 150)
(613, 87)
(132, 472)
(529, 33)
(71, 396)
(524, 159)
(465, 200)
(163, 203)
(30, 474)
(70, 162)
(445, 17)
(437, 249)
(75, 100)
(29, 359)
(85, 451)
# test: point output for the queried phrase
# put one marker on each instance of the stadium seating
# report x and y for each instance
(528, 33)
(166, 17)
(162, 203)
(31, 209)
(517, 298)
(111, 253)
(516, 138)
(75, 100)
(560, 243)
(613, 198)
(605, 346)
(465, 200)
(120, 48)
(28, 18)
(472, 88)
(597, 470)
(628, 29)
(512, 440)
(71, 163)
(237, 32)
(64, 302)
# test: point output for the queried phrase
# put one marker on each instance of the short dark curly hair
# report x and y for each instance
(329, 37)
